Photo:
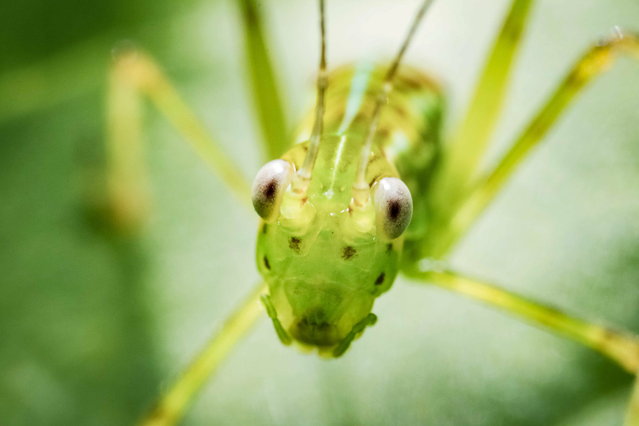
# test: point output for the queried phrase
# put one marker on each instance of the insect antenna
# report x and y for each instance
(304, 174)
(360, 188)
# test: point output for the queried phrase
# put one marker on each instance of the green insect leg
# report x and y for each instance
(135, 76)
(620, 346)
(272, 314)
(266, 94)
(595, 62)
(170, 408)
(471, 140)
(357, 329)
(632, 415)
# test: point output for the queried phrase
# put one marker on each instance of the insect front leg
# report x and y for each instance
(135, 76)
(170, 408)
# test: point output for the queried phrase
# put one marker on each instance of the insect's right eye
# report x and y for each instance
(269, 185)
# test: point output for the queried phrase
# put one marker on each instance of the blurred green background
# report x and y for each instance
(91, 327)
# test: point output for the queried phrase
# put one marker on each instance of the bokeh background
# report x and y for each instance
(92, 327)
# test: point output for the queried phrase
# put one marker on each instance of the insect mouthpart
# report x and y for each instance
(314, 329)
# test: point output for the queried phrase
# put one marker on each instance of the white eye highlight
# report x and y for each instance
(269, 184)
(393, 207)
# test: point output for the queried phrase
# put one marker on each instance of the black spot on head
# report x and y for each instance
(266, 263)
(389, 247)
(380, 279)
(348, 252)
(269, 190)
(394, 209)
(295, 244)
(265, 228)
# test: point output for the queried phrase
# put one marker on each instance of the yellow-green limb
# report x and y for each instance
(272, 314)
(126, 177)
(620, 346)
(470, 142)
(632, 415)
(596, 61)
(171, 406)
(136, 71)
(266, 96)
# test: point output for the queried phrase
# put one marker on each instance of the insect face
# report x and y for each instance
(324, 259)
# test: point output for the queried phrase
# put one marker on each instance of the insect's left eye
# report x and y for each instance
(270, 183)
(393, 206)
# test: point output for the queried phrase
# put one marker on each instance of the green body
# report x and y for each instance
(325, 264)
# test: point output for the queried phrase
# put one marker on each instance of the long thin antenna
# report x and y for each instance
(304, 173)
(361, 186)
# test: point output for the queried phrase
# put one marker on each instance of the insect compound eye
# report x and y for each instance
(393, 207)
(269, 184)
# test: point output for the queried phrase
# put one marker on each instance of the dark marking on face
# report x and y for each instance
(266, 263)
(265, 228)
(348, 252)
(295, 244)
(394, 209)
(389, 247)
(380, 279)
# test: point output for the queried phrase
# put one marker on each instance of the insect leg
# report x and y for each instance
(471, 140)
(357, 329)
(620, 346)
(272, 314)
(133, 76)
(170, 407)
(597, 60)
(126, 177)
(632, 415)
(266, 96)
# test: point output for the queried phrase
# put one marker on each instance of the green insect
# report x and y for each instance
(328, 248)
(371, 190)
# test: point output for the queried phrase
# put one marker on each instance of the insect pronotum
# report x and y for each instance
(336, 208)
